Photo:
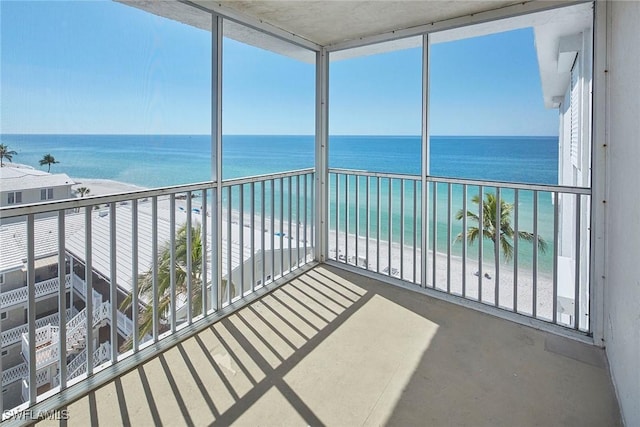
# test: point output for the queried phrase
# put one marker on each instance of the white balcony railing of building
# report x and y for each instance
(377, 224)
(244, 234)
(42, 289)
(125, 324)
(13, 336)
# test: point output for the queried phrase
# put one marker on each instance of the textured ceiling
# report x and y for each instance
(330, 22)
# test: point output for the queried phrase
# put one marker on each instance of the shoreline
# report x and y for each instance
(101, 187)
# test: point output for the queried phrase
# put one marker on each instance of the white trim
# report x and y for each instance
(424, 174)
(256, 24)
(599, 179)
(322, 156)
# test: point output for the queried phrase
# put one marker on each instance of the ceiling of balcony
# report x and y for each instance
(323, 23)
(330, 22)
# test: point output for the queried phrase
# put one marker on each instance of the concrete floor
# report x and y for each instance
(335, 348)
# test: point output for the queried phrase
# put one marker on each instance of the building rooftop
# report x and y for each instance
(13, 240)
(21, 178)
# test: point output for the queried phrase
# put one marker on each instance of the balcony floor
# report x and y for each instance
(337, 348)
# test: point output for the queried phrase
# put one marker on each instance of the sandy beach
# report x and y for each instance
(100, 187)
(450, 270)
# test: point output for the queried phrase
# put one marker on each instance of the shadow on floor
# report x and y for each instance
(336, 348)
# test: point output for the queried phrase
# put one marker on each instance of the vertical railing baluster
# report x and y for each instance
(312, 214)
(367, 221)
(263, 214)
(357, 214)
(203, 238)
(389, 225)
(306, 209)
(425, 224)
(402, 190)
(480, 239)
(62, 302)
(134, 275)
(31, 306)
(154, 261)
(241, 238)
(346, 218)
(516, 237)
(216, 248)
(449, 238)
(435, 234)
(230, 285)
(281, 227)
(189, 255)
(379, 209)
(576, 296)
(556, 249)
(88, 277)
(415, 231)
(337, 212)
(464, 240)
(272, 234)
(172, 260)
(297, 221)
(113, 290)
(289, 214)
(535, 253)
(496, 248)
(252, 226)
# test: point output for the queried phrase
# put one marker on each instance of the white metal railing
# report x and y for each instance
(267, 228)
(46, 350)
(42, 289)
(262, 229)
(538, 268)
(14, 374)
(47, 336)
(125, 324)
(14, 335)
(78, 365)
(42, 377)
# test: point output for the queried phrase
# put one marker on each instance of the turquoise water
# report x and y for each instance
(163, 160)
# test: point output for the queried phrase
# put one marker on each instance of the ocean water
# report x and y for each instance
(164, 160)
(159, 160)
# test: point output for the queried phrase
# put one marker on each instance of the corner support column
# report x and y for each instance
(322, 157)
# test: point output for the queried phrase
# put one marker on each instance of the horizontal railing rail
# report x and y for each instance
(90, 201)
(463, 181)
(266, 177)
(512, 185)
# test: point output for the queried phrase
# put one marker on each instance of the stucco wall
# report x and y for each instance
(32, 195)
(622, 288)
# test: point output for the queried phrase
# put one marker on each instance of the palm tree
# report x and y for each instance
(145, 280)
(83, 191)
(5, 153)
(48, 160)
(501, 235)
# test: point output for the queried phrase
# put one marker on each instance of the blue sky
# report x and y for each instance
(103, 67)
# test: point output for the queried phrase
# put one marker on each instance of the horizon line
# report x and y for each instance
(276, 134)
